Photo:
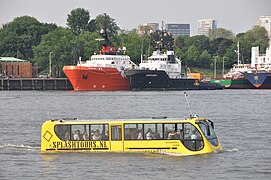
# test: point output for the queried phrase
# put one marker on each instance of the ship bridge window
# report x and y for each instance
(208, 131)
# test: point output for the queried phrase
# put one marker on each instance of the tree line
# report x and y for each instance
(27, 38)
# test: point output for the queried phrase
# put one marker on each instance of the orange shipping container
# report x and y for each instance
(195, 75)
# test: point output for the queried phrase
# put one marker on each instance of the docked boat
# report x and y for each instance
(178, 136)
(163, 71)
(259, 75)
(235, 78)
(103, 71)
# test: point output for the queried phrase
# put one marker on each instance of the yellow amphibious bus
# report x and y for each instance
(186, 137)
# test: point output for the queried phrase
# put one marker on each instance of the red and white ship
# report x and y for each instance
(103, 72)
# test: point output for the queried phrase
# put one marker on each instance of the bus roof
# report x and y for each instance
(143, 120)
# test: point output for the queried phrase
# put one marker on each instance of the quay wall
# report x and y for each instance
(35, 84)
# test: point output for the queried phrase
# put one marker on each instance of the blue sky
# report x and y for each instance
(235, 15)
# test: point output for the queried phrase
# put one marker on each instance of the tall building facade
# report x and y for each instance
(148, 28)
(154, 26)
(178, 29)
(265, 21)
(205, 25)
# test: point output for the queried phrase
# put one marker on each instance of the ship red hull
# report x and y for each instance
(96, 78)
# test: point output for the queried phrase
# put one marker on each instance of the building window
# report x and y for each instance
(18, 71)
(6, 70)
(12, 70)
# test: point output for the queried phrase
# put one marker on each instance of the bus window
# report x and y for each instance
(158, 131)
(78, 131)
(116, 133)
(99, 132)
(208, 132)
(180, 131)
(192, 138)
(63, 132)
(152, 131)
(139, 131)
(170, 131)
(130, 131)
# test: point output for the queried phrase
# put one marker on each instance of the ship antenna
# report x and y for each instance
(185, 95)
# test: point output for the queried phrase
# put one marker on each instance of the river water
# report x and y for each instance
(242, 122)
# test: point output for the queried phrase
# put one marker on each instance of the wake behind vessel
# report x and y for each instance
(164, 135)
(103, 71)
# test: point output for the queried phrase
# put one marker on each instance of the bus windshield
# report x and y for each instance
(207, 128)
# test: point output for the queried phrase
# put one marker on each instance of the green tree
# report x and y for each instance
(192, 57)
(133, 43)
(181, 43)
(92, 25)
(221, 33)
(19, 36)
(257, 36)
(219, 46)
(200, 41)
(78, 20)
(230, 56)
(61, 43)
(205, 59)
(88, 44)
(111, 26)
(178, 53)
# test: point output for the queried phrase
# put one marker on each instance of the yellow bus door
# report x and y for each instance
(116, 138)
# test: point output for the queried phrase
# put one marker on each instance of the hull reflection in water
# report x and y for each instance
(184, 137)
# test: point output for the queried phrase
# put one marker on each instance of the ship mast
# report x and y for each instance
(238, 56)
(107, 47)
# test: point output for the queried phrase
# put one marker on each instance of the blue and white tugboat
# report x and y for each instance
(259, 75)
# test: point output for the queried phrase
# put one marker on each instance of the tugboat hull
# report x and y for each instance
(159, 80)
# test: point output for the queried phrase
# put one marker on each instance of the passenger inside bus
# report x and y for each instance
(149, 134)
(139, 134)
(97, 135)
(172, 134)
(104, 135)
(85, 136)
(194, 136)
(180, 134)
(67, 136)
(156, 135)
(76, 135)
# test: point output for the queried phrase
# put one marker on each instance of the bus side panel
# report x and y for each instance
(153, 146)
(47, 136)
(162, 146)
